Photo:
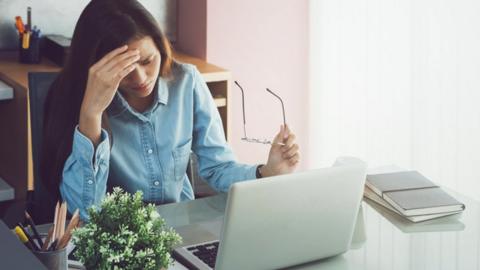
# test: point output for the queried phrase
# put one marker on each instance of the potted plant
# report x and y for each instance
(124, 233)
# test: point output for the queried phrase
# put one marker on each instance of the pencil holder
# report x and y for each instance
(53, 260)
(29, 49)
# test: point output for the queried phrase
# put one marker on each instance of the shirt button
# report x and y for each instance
(90, 182)
(156, 183)
(149, 151)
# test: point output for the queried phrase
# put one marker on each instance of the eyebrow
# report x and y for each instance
(146, 58)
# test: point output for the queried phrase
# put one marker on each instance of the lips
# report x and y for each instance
(142, 87)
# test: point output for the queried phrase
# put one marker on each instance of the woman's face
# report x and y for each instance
(140, 82)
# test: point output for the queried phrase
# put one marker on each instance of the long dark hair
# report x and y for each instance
(103, 26)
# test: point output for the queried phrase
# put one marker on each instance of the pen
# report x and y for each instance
(38, 33)
(29, 18)
(26, 40)
(19, 24)
(23, 237)
(35, 32)
(29, 237)
(34, 229)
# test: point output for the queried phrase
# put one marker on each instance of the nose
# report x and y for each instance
(138, 75)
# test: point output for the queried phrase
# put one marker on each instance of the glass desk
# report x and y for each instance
(382, 239)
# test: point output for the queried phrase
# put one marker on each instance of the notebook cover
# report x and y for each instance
(427, 200)
(369, 194)
(387, 182)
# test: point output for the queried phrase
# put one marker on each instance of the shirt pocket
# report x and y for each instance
(181, 157)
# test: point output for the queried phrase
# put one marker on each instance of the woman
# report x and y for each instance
(122, 112)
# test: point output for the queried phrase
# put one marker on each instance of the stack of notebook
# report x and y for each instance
(411, 195)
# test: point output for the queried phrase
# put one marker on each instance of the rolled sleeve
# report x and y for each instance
(84, 151)
(217, 163)
(85, 173)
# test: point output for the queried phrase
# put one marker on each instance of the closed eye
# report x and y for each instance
(146, 62)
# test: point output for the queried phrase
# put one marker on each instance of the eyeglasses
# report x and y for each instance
(255, 140)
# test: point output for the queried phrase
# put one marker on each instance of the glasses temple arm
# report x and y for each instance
(283, 107)
(243, 109)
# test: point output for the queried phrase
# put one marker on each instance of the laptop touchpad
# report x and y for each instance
(200, 232)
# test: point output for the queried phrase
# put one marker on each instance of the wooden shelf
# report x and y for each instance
(210, 72)
(220, 101)
(16, 163)
(16, 72)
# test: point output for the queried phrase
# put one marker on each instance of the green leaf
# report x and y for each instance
(124, 233)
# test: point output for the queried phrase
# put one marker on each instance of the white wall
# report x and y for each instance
(60, 17)
(397, 82)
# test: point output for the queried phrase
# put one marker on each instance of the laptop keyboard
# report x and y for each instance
(207, 253)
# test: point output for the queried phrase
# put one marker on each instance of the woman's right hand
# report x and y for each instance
(103, 80)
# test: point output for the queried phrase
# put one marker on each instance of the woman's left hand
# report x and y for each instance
(282, 159)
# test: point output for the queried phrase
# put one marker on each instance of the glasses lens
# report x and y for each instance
(254, 140)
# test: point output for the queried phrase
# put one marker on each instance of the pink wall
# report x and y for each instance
(264, 44)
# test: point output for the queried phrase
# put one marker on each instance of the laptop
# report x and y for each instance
(14, 254)
(283, 221)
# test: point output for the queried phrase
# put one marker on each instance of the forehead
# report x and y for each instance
(144, 45)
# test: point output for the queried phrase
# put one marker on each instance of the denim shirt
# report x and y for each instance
(150, 151)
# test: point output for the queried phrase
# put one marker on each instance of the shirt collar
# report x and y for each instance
(161, 94)
(119, 103)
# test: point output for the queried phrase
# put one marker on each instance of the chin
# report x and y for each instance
(140, 94)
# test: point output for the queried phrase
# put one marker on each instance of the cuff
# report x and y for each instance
(84, 150)
(252, 173)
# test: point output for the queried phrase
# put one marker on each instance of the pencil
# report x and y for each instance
(68, 233)
(48, 239)
(62, 220)
(55, 221)
(53, 245)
